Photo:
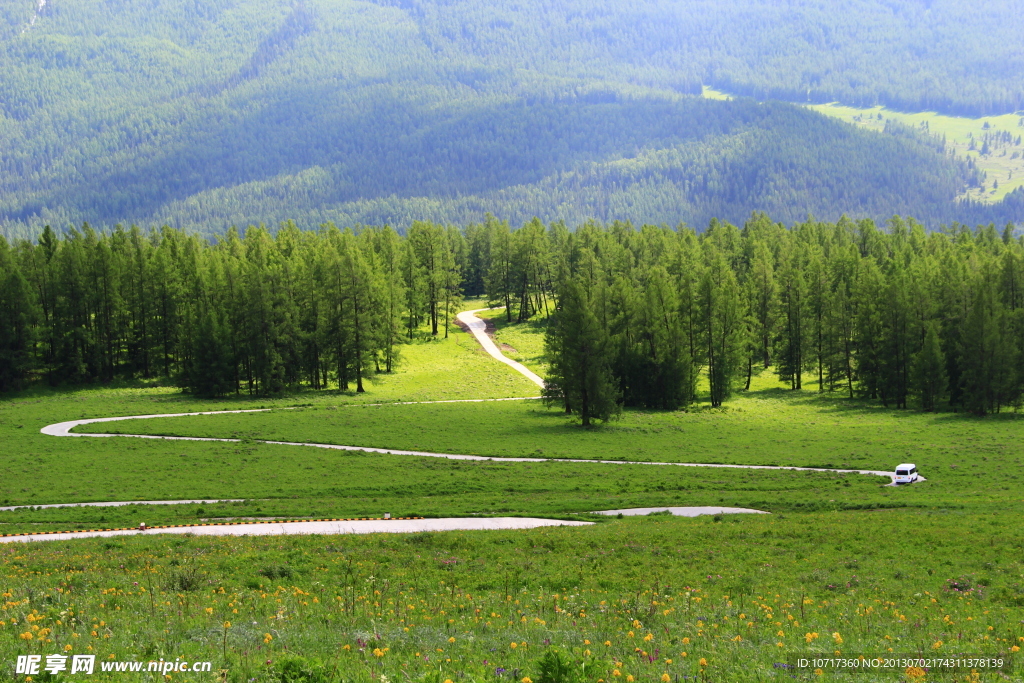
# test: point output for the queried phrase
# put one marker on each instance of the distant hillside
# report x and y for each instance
(208, 113)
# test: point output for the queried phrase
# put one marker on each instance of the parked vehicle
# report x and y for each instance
(906, 474)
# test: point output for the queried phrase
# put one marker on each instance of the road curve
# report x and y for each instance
(478, 328)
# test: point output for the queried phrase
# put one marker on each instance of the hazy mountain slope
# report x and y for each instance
(209, 112)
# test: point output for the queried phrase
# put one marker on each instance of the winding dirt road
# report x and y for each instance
(477, 327)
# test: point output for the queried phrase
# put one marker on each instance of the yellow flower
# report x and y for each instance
(209, 610)
(630, 679)
(267, 638)
(818, 672)
(67, 648)
(686, 641)
(452, 639)
(377, 652)
(616, 672)
(1015, 649)
(649, 637)
(227, 624)
(526, 679)
(630, 634)
(665, 678)
(780, 644)
(703, 662)
(682, 654)
(586, 653)
(937, 644)
(513, 645)
(608, 643)
(838, 638)
(447, 680)
(915, 673)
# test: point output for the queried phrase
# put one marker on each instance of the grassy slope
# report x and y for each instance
(1004, 164)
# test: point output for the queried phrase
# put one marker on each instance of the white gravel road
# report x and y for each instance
(695, 511)
(479, 330)
(367, 526)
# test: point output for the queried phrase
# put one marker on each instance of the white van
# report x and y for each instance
(905, 474)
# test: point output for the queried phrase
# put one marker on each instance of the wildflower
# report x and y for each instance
(586, 653)
(209, 610)
(452, 639)
(513, 645)
(818, 672)
(227, 624)
(810, 636)
(937, 644)
(526, 679)
(703, 662)
(608, 643)
(616, 672)
(649, 637)
(781, 634)
(1015, 648)
(780, 644)
(915, 673)
(377, 652)
(838, 638)
(630, 679)
(665, 678)
(630, 634)
(67, 648)
(686, 641)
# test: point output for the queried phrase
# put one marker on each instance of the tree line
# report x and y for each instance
(653, 317)
(660, 318)
(253, 312)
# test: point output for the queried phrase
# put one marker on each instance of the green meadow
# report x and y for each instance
(732, 599)
(843, 564)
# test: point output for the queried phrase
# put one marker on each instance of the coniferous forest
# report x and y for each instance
(210, 114)
(651, 317)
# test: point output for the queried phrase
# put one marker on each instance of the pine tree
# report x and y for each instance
(929, 379)
(723, 325)
(793, 337)
(579, 353)
(18, 318)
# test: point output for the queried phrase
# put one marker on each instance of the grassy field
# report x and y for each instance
(649, 599)
(965, 459)
(965, 137)
(843, 565)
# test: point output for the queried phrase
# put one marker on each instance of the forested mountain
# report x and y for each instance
(206, 114)
(654, 317)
